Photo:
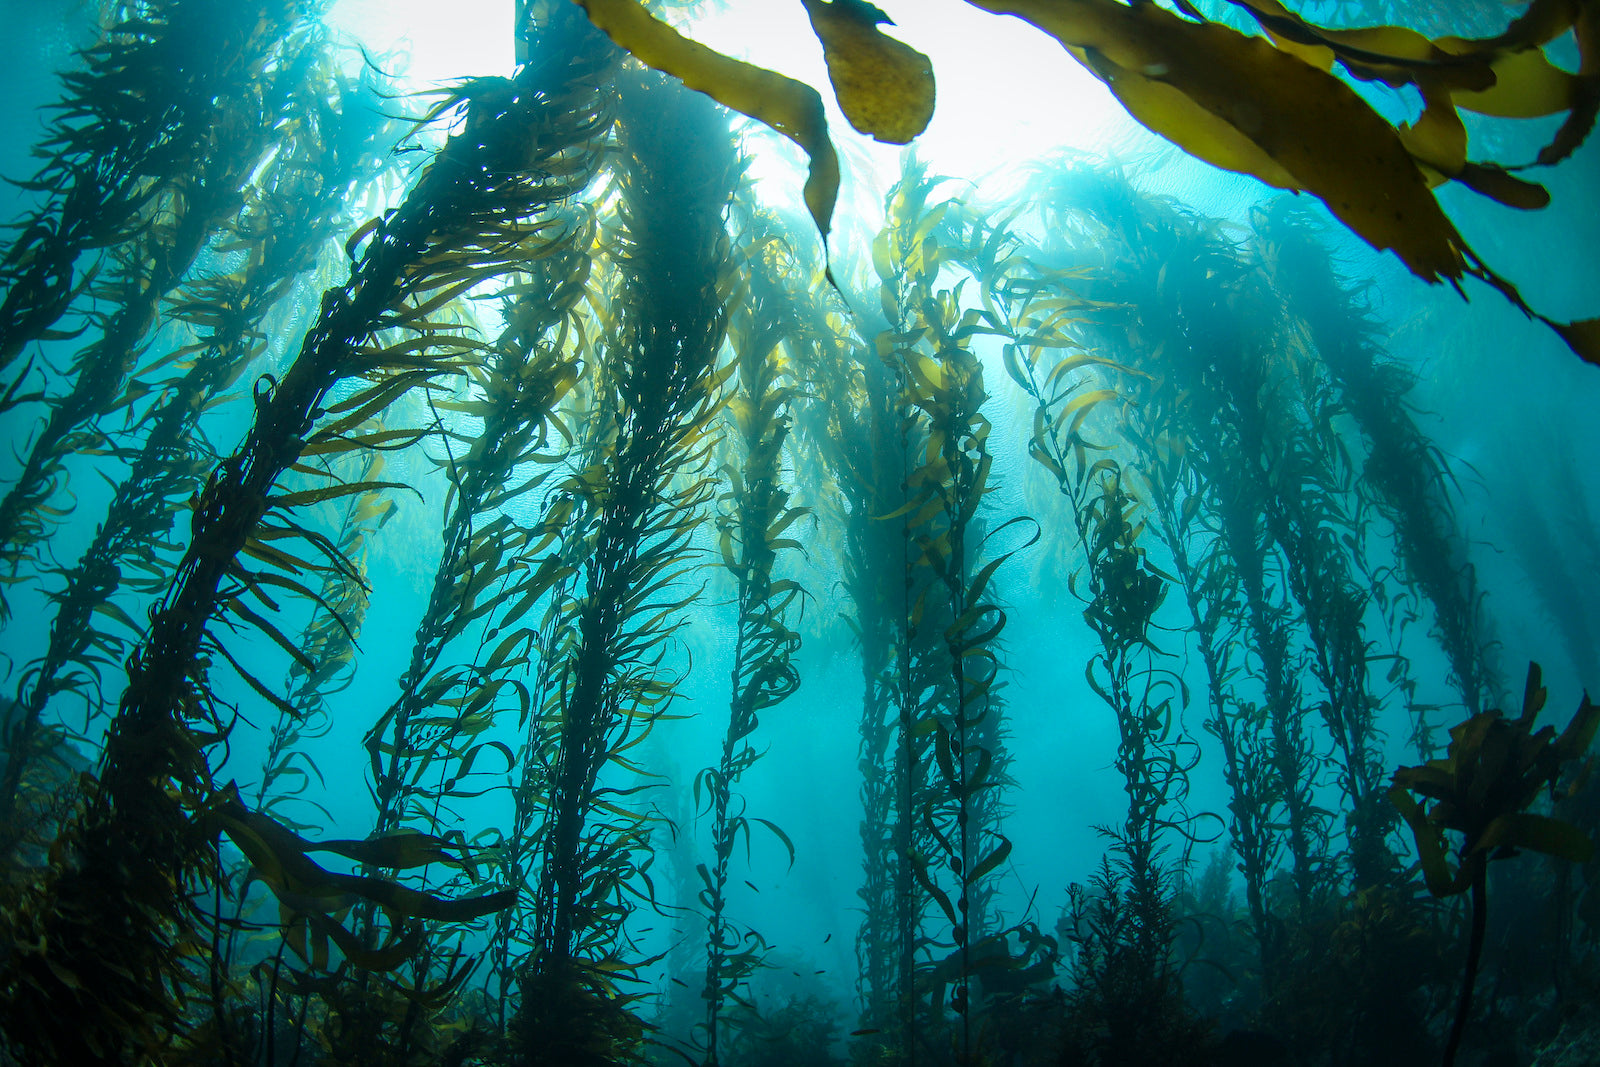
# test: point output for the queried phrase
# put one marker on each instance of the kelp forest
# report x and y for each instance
(601, 564)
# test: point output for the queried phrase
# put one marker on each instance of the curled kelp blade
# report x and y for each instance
(1199, 85)
(791, 107)
(884, 86)
(1205, 87)
(1508, 75)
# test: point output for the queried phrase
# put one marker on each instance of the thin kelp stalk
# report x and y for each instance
(329, 644)
(638, 505)
(1285, 423)
(294, 210)
(137, 119)
(943, 395)
(1403, 472)
(518, 386)
(1157, 421)
(1124, 592)
(1129, 1000)
(753, 521)
(114, 915)
(1310, 529)
(852, 406)
(1129, 1005)
(1138, 277)
(255, 95)
(897, 598)
(1211, 590)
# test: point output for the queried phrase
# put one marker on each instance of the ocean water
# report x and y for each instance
(477, 592)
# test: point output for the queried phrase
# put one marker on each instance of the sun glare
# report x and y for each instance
(425, 44)
(1006, 93)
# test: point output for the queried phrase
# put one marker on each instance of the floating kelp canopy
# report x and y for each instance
(517, 573)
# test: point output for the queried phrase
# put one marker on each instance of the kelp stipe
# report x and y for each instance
(257, 72)
(1158, 270)
(1166, 419)
(1494, 770)
(1402, 472)
(635, 508)
(294, 208)
(136, 120)
(113, 914)
(851, 408)
(949, 574)
(1128, 1005)
(1288, 407)
(754, 515)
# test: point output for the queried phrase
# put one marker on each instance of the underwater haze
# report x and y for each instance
(528, 541)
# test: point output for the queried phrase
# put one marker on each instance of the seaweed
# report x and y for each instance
(289, 216)
(854, 410)
(648, 416)
(1243, 103)
(753, 522)
(135, 120)
(256, 77)
(1402, 472)
(150, 823)
(949, 764)
(1493, 770)
(634, 509)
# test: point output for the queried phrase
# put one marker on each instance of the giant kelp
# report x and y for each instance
(289, 216)
(631, 387)
(754, 517)
(634, 508)
(135, 120)
(146, 829)
(248, 93)
(1266, 106)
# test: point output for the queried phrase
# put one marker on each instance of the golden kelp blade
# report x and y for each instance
(792, 108)
(884, 86)
(1243, 105)
(1508, 75)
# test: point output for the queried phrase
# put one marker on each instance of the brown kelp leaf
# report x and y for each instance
(1393, 55)
(1526, 85)
(1508, 75)
(792, 108)
(1438, 140)
(279, 857)
(1582, 337)
(1241, 104)
(1573, 132)
(884, 86)
(1538, 833)
(1499, 184)
(1205, 87)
